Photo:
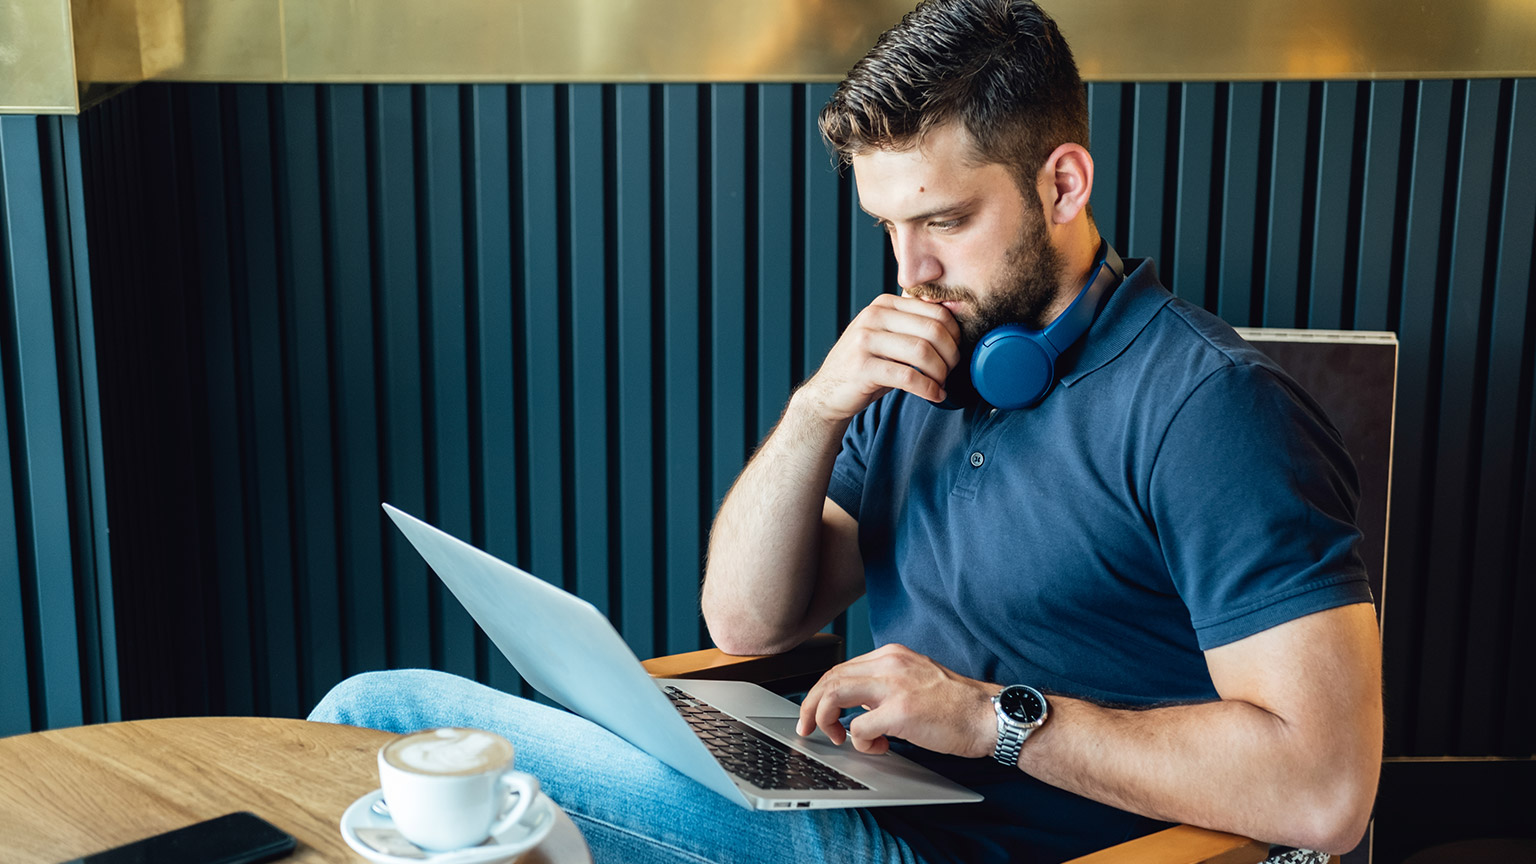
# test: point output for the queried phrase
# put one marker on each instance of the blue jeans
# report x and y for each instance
(630, 807)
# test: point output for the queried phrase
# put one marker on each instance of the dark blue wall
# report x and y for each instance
(555, 319)
(57, 644)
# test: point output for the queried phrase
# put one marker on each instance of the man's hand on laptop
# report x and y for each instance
(909, 696)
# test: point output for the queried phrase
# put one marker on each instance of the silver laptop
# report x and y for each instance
(734, 737)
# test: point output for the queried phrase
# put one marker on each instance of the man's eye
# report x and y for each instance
(945, 225)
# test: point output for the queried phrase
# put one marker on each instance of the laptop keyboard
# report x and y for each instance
(760, 760)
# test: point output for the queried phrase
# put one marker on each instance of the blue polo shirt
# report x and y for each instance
(1175, 492)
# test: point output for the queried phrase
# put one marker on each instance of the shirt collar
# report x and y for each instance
(1129, 310)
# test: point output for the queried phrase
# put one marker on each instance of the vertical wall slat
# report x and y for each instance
(38, 479)
(637, 376)
(93, 556)
(1464, 437)
(1238, 204)
(540, 355)
(1149, 171)
(775, 182)
(1418, 377)
(310, 397)
(728, 399)
(1192, 230)
(681, 358)
(496, 436)
(1106, 137)
(1331, 214)
(349, 277)
(16, 691)
(589, 343)
(867, 251)
(212, 225)
(82, 162)
(1283, 252)
(393, 183)
(821, 262)
(1378, 207)
(1520, 698)
(447, 331)
(276, 688)
(1513, 344)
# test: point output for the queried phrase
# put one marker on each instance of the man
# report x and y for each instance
(1171, 524)
(1162, 545)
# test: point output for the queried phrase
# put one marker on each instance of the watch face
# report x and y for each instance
(1022, 704)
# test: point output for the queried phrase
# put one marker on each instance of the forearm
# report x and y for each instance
(1226, 765)
(1291, 754)
(761, 580)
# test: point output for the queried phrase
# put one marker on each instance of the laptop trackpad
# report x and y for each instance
(784, 727)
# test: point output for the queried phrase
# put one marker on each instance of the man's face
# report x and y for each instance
(962, 232)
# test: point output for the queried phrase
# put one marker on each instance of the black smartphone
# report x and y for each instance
(234, 838)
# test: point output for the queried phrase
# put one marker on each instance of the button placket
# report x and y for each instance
(982, 433)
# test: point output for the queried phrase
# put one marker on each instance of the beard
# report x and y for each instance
(1025, 289)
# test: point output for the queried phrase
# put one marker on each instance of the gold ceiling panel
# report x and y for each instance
(718, 40)
(37, 58)
(586, 40)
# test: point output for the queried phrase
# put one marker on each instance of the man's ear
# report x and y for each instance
(1066, 183)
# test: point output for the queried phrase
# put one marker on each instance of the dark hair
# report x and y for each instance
(999, 67)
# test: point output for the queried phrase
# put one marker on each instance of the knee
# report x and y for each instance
(380, 700)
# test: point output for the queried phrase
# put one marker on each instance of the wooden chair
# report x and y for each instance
(1354, 377)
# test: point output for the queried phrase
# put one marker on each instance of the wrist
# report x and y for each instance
(809, 413)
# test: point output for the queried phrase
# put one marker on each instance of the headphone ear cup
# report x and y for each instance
(1013, 367)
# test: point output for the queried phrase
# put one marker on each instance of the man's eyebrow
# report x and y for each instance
(946, 210)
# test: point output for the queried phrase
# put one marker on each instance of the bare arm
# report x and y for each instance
(783, 558)
(1290, 753)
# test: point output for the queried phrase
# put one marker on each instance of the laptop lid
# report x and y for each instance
(568, 650)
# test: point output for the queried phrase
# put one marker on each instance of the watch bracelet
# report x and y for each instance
(1010, 742)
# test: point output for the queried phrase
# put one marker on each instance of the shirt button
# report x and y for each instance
(977, 459)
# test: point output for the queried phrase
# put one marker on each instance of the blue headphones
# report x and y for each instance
(1015, 366)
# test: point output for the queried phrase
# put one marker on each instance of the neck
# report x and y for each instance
(1079, 246)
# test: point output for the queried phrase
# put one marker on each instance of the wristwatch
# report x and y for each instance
(1020, 711)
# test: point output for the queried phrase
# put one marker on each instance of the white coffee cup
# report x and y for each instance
(446, 787)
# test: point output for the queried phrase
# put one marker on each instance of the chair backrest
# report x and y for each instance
(1353, 375)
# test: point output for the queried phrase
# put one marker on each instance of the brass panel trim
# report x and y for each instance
(818, 40)
(122, 41)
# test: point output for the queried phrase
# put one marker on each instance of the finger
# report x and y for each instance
(870, 731)
(913, 350)
(865, 665)
(807, 722)
(845, 692)
(896, 375)
(929, 322)
(927, 308)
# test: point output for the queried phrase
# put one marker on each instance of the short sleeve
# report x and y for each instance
(846, 487)
(1253, 498)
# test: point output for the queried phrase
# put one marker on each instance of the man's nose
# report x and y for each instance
(916, 263)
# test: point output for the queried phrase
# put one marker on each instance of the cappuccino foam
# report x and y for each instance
(449, 751)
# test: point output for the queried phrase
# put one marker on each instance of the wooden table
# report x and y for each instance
(70, 792)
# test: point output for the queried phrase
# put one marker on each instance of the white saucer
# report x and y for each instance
(509, 844)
